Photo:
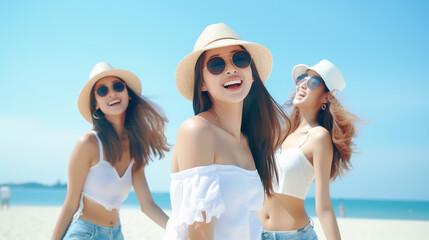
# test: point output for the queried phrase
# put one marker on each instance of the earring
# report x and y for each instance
(324, 106)
(95, 116)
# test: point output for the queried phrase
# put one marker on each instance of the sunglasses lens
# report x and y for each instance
(118, 86)
(216, 65)
(300, 78)
(241, 59)
(102, 91)
(313, 82)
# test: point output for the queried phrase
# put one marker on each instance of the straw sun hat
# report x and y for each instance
(217, 36)
(101, 70)
(330, 74)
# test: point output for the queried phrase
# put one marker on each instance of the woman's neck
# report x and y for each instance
(229, 117)
(308, 119)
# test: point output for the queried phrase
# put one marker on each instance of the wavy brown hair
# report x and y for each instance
(144, 125)
(341, 125)
(264, 122)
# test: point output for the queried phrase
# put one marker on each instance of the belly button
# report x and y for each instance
(267, 217)
(111, 223)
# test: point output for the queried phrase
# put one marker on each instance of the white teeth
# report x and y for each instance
(231, 83)
(113, 102)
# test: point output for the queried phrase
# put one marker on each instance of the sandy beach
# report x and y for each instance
(37, 223)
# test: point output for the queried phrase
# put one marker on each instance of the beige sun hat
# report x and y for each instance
(330, 74)
(99, 71)
(217, 36)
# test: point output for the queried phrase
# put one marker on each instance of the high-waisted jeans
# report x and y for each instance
(306, 233)
(82, 229)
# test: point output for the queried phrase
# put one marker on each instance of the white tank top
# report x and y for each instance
(104, 186)
(295, 171)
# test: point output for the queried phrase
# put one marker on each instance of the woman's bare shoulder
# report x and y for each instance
(321, 141)
(320, 135)
(86, 148)
(195, 143)
(196, 128)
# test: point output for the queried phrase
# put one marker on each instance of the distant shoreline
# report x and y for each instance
(60, 185)
(35, 185)
(34, 194)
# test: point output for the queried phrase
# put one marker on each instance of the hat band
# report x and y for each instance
(219, 40)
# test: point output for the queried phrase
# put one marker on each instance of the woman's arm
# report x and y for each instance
(79, 165)
(202, 230)
(322, 160)
(195, 146)
(147, 205)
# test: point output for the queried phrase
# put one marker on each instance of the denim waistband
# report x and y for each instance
(98, 227)
(304, 229)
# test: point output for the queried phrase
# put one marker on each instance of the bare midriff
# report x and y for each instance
(97, 214)
(283, 213)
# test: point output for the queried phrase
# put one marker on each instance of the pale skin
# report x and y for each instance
(284, 213)
(86, 155)
(214, 136)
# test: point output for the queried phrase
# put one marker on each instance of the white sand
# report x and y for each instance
(378, 229)
(37, 223)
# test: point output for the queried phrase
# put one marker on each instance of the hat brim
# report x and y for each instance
(185, 74)
(298, 70)
(330, 74)
(132, 81)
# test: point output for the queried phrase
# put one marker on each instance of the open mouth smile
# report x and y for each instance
(114, 102)
(232, 84)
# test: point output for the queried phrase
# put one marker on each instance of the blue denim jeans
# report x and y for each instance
(306, 233)
(82, 229)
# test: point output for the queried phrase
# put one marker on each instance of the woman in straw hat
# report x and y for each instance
(128, 130)
(318, 147)
(223, 158)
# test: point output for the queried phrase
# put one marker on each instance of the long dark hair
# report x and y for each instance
(341, 125)
(144, 125)
(264, 122)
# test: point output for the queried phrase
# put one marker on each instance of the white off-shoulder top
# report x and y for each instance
(233, 196)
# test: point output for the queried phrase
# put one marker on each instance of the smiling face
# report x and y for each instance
(234, 82)
(115, 102)
(306, 98)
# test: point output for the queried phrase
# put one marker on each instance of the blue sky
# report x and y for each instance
(48, 48)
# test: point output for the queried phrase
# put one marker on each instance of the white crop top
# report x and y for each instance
(295, 171)
(104, 186)
(232, 195)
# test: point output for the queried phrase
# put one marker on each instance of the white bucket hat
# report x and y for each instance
(217, 36)
(330, 74)
(99, 71)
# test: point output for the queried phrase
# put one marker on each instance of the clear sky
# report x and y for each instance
(48, 48)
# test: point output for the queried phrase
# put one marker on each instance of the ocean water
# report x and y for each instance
(382, 209)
